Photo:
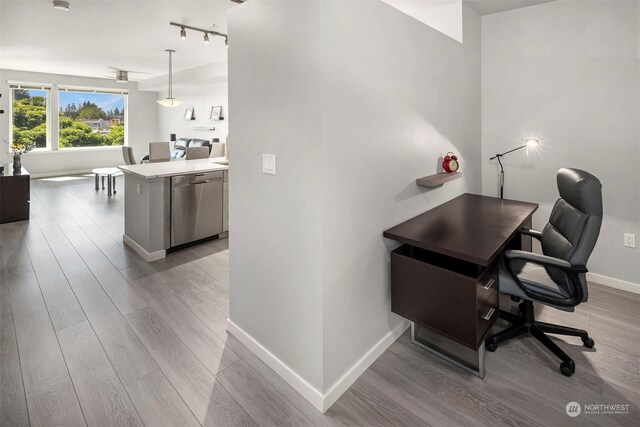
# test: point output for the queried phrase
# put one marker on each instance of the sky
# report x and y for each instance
(106, 101)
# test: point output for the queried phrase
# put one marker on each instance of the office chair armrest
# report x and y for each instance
(570, 270)
(533, 233)
(544, 260)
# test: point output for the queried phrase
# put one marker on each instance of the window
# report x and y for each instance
(91, 118)
(30, 116)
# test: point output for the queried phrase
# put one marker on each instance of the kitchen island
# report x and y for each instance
(172, 204)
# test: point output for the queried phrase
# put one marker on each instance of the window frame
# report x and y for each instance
(46, 88)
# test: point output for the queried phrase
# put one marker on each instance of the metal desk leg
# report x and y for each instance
(109, 185)
(102, 181)
(446, 349)
(114, 185)
(97, 187)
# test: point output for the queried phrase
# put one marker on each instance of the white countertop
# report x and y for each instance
(174, 168)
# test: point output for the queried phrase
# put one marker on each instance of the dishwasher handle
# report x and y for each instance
(205, 181)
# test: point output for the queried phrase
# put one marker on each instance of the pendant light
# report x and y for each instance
(170, 101)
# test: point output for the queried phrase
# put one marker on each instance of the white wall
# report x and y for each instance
(567, 72)
(395, 96)
(200, 97)
(142, 126)
(200, 88)
(275, 243)
(354, 113)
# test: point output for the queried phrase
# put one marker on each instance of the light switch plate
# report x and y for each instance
(269, 163)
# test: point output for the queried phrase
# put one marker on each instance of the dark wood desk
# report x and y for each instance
(445, 277)
(14, 195)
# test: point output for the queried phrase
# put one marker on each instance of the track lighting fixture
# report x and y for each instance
(61, 5)
(183, 32)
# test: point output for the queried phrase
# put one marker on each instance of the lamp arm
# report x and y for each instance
(507, 152)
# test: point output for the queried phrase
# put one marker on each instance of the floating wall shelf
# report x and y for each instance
(438, 179)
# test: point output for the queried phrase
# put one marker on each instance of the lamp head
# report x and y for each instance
(531, 142)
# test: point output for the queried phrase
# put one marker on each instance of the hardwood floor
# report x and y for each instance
(92, 334)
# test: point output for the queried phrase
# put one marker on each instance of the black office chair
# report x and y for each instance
(556, 278)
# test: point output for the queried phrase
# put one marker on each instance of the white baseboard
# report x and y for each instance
(322, 402)
(54, 174)
(347, 380)
(299, 384)
(614, 283)
(147, 256)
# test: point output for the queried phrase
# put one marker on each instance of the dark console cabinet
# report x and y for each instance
(15, 191)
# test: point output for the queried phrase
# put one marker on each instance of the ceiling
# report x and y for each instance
(487, 7)
(96, 35)
(129, 34)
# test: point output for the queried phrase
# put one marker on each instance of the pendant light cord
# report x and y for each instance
(170, 77)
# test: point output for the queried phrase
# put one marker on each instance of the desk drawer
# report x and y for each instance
(487, 284)
(487, 314)
(434, 294)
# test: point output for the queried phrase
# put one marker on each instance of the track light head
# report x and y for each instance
(206, 38)
(61, 5)
(183, 33)
(226, 41)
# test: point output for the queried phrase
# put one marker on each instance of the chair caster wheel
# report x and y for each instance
(588, 342)
(567, 369)
(490, 346)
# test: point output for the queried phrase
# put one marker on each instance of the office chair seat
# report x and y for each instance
(533, 276)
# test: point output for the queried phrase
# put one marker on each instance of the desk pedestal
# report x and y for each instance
(459, 355)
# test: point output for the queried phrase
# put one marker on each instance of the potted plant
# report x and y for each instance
(17, 149)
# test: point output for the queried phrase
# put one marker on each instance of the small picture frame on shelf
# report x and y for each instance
(189, 114)
(216, 113)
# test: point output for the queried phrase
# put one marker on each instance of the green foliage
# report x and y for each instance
(30, 112)
(91, 112)
(29, 120)
(80, 135)
(65, 122)
(19, 94)
(116, 135)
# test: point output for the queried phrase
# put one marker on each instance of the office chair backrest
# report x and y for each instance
(127, 154)
(574, 224)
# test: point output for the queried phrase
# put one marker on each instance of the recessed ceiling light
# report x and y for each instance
(61, 5)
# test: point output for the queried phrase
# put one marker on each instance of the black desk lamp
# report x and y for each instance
(527, 144)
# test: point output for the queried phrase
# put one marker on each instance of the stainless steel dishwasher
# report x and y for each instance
(196, 207)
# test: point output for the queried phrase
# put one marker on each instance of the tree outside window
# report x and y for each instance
(90, 119)
(29, 109)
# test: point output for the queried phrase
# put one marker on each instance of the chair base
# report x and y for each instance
(526, 324)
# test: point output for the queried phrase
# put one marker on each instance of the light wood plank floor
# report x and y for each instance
(92, 334)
